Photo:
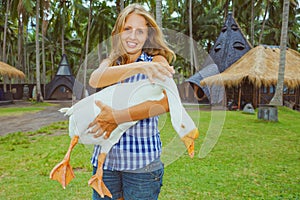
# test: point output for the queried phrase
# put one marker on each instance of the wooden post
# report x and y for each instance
(259, 89)
(240, 96)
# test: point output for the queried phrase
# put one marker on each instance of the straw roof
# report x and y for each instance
(260, 66)
(10, 71)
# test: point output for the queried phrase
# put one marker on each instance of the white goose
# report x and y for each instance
(85, 111)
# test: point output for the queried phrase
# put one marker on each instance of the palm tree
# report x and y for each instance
(263, 22)
(25, 12)
(63, 28)
(121, 5)
(252, 22)
(37, 46)
(4, 41)
(273, 24)
(278, 96)
(46, 5)
(206, 24)
(21, 17)
(191, 36)
(87, 48)
(101, 23)
(158, 13)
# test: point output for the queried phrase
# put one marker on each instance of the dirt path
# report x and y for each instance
(32, 121)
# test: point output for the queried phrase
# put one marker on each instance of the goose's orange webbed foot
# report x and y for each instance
(63, 172)
(189, 141)
(96, 181)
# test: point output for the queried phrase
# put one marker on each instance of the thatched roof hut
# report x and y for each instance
(260, 67)
(10, 71)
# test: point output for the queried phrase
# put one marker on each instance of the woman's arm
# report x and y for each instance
(142, 111)
(106, 75)
(109, 119)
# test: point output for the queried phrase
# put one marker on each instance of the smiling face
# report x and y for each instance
(134, 35)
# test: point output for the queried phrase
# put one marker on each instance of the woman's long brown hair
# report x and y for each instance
(154, 45)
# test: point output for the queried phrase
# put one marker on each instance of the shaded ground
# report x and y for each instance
(32, 121)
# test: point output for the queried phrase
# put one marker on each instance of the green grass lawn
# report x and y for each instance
(253, 159)
(34, 107)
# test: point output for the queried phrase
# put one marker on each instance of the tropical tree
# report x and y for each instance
(252, 22)
(4, 40)
(278, 96)
(121, 5)
(101, 26)
(39, 96)
(20, 16)
(294, 25)
(263, 22)
(45, 12)
(67, 29)
(272, 32)
(87, 49)
(158, 13)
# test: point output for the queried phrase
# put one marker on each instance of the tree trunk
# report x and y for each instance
(4, 43)
(191, 36)
(63, 30)
(263, 23)
(252, 22)
(121, 5)
(20, 44)
(44, 31)
(21, 56)
(158, 13)
(52, 64)
(86, 51)
(26, 70)
(277, 100)
(39, 97)
(44, 63)
(226, 8)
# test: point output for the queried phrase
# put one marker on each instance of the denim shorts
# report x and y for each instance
(131, 186)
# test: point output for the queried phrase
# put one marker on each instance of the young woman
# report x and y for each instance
(133, 169)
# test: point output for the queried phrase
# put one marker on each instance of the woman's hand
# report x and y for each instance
(106, 75)
(108, 119)
(104, 122)
(157, 70)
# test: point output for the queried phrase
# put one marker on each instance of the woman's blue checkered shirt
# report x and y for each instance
(139, 145)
